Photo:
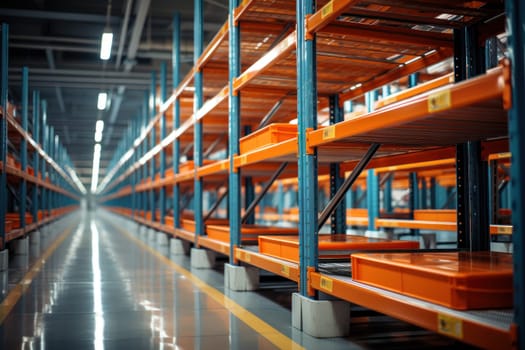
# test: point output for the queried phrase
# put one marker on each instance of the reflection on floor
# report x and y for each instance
(104, 289)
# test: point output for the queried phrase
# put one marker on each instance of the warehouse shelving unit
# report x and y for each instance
(36, 175)
(338, 51)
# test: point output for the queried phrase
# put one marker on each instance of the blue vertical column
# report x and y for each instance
(3, 128)
(307, 119)
(153, 140)
(163, 97)
(43, 143)
(144, 148)
(131, 161)
(176, 116)
(372, 198)
(234, 132)
(338, 218)
(198, 32)
(372, 182)
(23, 146)
(516, 43)
(36, 138)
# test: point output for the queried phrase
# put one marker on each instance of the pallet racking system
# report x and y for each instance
(37, 180)
(286, 60)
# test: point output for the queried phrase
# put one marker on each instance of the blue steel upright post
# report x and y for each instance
(144, 147)
(372, 183)
(153, 112)
(516, 47)
(163, 97)
(307, 119)
(3, 129)
(197, 128)
(23, 146)
(43, 141)
(338, 218)
(36, 138)
(234, 185)
(176, 116)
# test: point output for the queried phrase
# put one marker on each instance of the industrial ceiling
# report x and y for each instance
(60, 43)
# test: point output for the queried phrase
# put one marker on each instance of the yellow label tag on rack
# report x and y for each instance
(450, 326)
(285, 270)
(244, 160)
(439, 101)
(329, 132)
(504, 230)
(327, 284)
(327, 9)
(247, 257)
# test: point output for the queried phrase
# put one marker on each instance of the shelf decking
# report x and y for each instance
(491, 329)
(441, 117)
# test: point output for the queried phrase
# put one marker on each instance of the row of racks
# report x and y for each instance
(280, 73)
(37, 180)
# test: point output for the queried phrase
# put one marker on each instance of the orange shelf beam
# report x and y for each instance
(423, 314)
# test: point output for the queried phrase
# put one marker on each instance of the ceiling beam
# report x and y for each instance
(58, 15)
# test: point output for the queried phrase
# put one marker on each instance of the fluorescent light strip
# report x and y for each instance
(105, 46)
(96, 167)
(102, 100)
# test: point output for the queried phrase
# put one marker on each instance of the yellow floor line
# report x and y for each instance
(273, 335)
(18, 291)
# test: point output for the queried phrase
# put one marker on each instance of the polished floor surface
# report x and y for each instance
(92, 283)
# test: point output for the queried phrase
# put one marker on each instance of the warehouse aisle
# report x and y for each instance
(102, 288)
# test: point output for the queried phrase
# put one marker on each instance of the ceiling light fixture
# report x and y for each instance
(102, 101)
(96, 167)
(106, 44)
(107, 37)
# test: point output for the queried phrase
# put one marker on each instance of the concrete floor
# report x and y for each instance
(102, 287)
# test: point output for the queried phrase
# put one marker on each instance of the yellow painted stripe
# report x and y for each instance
(18, 291)
(264, 329)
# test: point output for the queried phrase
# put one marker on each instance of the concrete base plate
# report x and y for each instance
(241, 278)
(4, 259)
(179, 246)
(21, 246)
(162, 239)
(321, 318)
(202, 258)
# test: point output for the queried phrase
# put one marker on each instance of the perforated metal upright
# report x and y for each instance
(153, 140)
(234, 185)
(36, 138)
(338, 218)
(307, 119)
(516, 42)
(176, 116)
(197, 128)
(3, 129)
(162, 169)
(23, 146)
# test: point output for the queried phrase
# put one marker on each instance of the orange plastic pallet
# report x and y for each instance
(459, 280)
(336, 246)
(271, 134)
(249, 233)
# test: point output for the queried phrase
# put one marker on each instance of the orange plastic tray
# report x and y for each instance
(459, 280)
(271, 134)
(249, 233)
(189, 225)
(336, 246)
(8, 225)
